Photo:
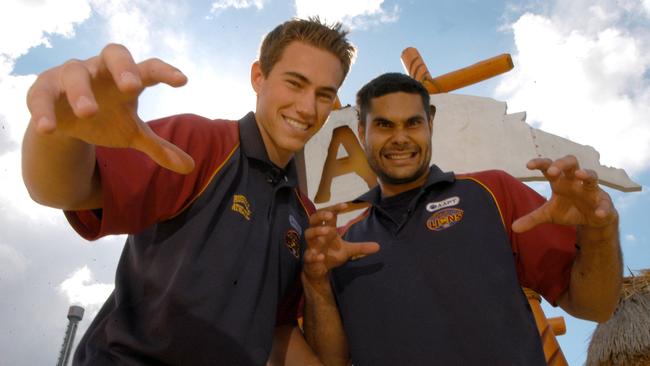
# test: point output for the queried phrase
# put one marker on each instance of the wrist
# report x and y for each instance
(315, 280)
(316, 286)
(598, 234)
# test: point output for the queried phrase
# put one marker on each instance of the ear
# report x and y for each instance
(257, 77)
(432, 113)
(361, 131)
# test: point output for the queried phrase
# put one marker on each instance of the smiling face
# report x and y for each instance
(295, 98)
(397, 141)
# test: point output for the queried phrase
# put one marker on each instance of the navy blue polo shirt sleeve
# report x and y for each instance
(544, 255)
(137, 192)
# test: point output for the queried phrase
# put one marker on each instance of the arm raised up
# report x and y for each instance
(577, 200)
(82, 104)
(327, 250)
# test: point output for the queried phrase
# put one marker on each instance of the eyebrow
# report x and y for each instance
(416, 117)
(304, 79)
(382, 119)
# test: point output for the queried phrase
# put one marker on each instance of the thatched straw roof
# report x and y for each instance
(625, 338)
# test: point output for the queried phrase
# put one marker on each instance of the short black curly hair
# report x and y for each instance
(388, 83)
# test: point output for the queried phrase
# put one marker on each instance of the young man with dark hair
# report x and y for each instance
(445, 288)
(209, 272)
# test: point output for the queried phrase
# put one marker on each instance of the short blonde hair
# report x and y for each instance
(312, 31)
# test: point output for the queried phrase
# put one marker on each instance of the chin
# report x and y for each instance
(294, 145)
(402, 177)
(397, 179)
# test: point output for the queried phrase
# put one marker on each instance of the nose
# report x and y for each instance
(306, 105)
(400, 136)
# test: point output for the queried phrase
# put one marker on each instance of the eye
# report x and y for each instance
(293, 83)
(414, 122)
(326, 97)
(383, 123)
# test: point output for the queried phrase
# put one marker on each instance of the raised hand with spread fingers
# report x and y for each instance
(577, 200)
(80, 104)
(576, 197)
(327, 250)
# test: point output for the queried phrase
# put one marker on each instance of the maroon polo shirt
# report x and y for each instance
(212, 261)
(445, 288)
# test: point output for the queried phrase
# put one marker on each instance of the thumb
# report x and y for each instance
(360, 250)
(530, 220)
(163, 152)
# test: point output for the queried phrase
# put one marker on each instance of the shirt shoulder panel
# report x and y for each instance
(305, 202)
(543, 255)
(137, 192)
(363, 215)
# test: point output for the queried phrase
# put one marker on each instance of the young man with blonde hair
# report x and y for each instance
(209, 272)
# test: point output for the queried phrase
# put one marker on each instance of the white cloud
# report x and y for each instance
(630, 237)
(209, 92)
(355, 14)
(579, 74)
(220, 5)
(14, 114)
(13, 265)
(80, 289)
(27, 24)
(629, 202)
(138, 24)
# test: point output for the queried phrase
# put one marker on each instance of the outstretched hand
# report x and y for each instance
(576, 198)
(325, 247)
(96, 101)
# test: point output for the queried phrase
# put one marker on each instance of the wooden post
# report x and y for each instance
(457, 79)
(552, 351)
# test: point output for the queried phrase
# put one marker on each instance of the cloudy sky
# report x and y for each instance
(581, 72)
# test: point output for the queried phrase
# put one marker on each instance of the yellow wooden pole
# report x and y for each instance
(457, 79)
(552, 351)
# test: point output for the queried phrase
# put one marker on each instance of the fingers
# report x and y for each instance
(319, 239)
(327, 216)
(117, 60)
(71, 79)
(75, 81)
(320, 217)
(163, 152)
(154, 71)
(360, 250)
(532, 219)
(319, 236)
(40, 102)
(566, 170)
(566, 166)
(589, 179)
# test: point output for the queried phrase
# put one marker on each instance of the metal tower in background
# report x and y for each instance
(75, 314)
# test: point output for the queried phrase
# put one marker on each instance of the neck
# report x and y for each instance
(278, 156)
(388, 189)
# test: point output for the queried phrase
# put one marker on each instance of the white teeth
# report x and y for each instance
(399, 156)
(296, 124)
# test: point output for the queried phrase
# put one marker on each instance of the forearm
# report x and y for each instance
(322, 323)
(290, 349)
(596, 274)
(59, 171)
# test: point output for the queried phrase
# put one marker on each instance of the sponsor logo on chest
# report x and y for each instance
(445, 218)
(292, 241)
(292, 237)
(435, 206)
(240, 205)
